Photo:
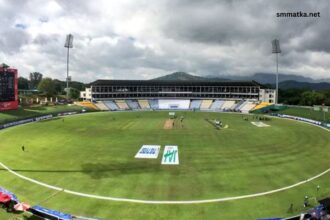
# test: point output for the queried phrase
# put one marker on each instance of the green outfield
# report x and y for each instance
(94, 154)
(307, 113)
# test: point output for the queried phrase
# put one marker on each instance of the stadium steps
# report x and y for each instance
(195, 104)
(122, 104)
(239, 105)
(133, 104)
(206, 103)
(100, 105)
(248, 107)
(111, 105)
(154, 103)
(88, 104)
(243, 105)
(144, 104)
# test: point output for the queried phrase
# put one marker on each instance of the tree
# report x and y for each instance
(23, 83)
(35, 79)
(74, 93)
(290, 96)
(326, 94)
(59, 86)
(47, 86)
(77, 85)
(312, 98)
(3, 65)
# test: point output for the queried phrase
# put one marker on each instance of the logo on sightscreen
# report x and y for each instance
(170, 155)
(148, 152)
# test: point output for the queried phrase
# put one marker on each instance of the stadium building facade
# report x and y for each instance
(150, 89)
(238, 96)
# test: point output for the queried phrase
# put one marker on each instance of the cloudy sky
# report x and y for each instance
(143, 39)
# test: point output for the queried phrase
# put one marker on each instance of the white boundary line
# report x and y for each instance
(118, 199)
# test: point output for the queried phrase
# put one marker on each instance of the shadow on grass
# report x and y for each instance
(101, 170)
(106, 170)
(36, 108)
(23, 111)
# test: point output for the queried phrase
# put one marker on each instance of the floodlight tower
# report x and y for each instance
(276, 50)
(68, 44)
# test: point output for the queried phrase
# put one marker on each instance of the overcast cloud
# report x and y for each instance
(143, 39)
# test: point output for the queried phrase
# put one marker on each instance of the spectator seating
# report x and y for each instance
(100, 105)
(227, 105)
(144, 104)
(133, 104)
(87, 104)
(195, 104)
(216, 105)
(111, 105)
(247, 107)
(206, 103)
(262, 105)
(122, 104)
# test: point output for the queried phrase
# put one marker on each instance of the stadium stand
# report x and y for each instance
(206, 103)
(247, 107)
(158, 94)
(100, 105)
(202, 94)
(144, 104)
(227, 105)
(262, 105)
(87, 104)
(133, 104)
(216, 105)
(154, 103)
(173, 104)
(111, 105)
(122, 104)
(195, 104)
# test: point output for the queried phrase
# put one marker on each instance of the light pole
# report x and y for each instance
(68, 44)
(276, 50)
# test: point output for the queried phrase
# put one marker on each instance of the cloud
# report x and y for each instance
(145, 39)
(12, 39)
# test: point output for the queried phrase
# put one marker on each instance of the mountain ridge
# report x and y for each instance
(286, 81)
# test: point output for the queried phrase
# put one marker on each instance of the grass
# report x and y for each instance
(94, 154)
(307, 113)
(29, 112)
